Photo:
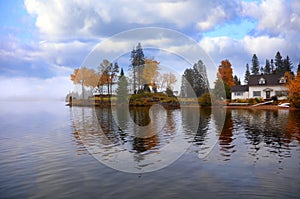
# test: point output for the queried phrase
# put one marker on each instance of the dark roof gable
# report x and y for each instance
(270, 80)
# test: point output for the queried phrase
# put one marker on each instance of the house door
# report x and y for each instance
(268, 93)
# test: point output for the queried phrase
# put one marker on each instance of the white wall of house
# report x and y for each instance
(240, 95)
(261, 91)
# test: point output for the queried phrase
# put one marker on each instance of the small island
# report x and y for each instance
(146, 84)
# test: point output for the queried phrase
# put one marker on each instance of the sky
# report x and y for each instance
(42, 42)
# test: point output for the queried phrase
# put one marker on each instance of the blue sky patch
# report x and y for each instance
(235, 30)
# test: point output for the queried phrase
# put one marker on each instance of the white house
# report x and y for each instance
(240, 92)
(262, 86)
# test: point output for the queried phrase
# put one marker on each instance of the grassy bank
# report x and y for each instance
(138, 100)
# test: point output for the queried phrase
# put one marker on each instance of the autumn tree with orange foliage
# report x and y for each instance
(225, 73)
(293, 86)
(224, 80)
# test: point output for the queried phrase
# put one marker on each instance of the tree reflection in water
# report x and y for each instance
(258, 133)
(141, 136)
(293, 125)
(267, 132)
(226, 138)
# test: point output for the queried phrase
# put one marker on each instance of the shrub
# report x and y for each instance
(295, 101)
(274, 98)
(251, 101)
(204, 100)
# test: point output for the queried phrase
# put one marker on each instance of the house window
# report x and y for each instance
(238, 94)
(281, 93)
(282, 80)
(256, 94)
(262, 81)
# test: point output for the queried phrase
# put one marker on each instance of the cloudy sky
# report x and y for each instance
(43, 41)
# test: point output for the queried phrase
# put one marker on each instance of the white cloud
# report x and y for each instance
(264, 46)
(239, 52)
(64, 27)
(65, 53)
(20, 88)
(13, 48)
(275, 16)
(217, 15)
(40, 59)
(220, 48)
(92, 18)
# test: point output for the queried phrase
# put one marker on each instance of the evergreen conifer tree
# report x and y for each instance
(278, 62)
(247, 74)
(287, 65)
(255, 65)
(267, 69)
(122, 90)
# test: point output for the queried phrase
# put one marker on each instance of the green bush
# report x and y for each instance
(204, 100)
(251, 101)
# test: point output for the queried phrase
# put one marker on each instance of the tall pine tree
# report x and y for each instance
(247, 74)
(267, 69)
(122, 72)
(122, 90)
(137, 62)
(113, 75)
(255, 65)
(140, 61)
(200, 79)
(187, 83)
(194, 81)
(278, 63)
(237, 81)
(287, 65)
(221, 90)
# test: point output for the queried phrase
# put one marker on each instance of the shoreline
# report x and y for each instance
(262, 107)
(172, 105)
(249, 107)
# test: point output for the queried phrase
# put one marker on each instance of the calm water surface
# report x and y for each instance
(43, 154)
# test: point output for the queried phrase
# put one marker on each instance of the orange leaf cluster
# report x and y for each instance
(293, 84)
(85, 76)
(225, 73)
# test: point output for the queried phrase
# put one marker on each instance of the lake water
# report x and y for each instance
(48, 150)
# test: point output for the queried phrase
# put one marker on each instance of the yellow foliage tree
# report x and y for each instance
(170, 79)
(165, 80)
(85, 77)
(150, 71)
